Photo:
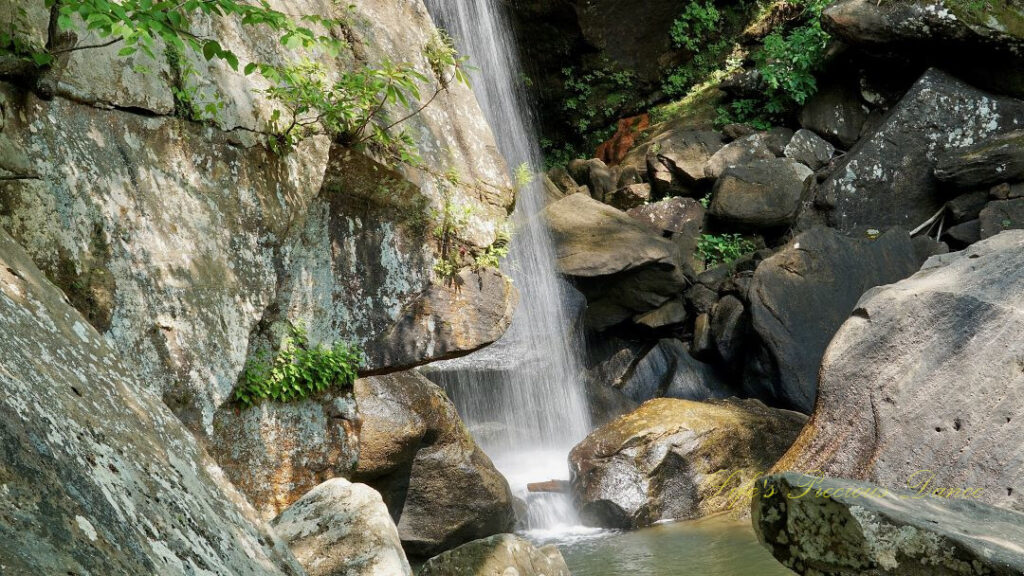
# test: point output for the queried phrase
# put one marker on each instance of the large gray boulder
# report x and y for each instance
(760, 194)
(846, 528)
(809, 149)
(500, 555)
(929, 367)
(99, 477)
(676, 460)
(622, 266)
(441, 489)
(835, 113)
(799, 298)
(343, 529)
(886, 180)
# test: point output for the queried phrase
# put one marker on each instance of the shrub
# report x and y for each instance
(298, 371)
(723, 248)
(696, 25)
(351, 108)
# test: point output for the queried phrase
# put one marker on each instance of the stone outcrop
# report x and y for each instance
(620, 265)
(343, 529)
(274, 453)
(184, 269)
(886, 179)
(799, 298)
(441, 489)
(848, 528)
(835, 113)
(927, 375)
(99, 477)
(676, 459)
(669, 370)
(500, 555)
(809, 149)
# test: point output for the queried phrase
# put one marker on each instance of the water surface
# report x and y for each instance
(710, 547)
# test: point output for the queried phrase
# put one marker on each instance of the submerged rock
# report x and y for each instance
(98, 476)
(799, 298)
(848, 528)
(677, 459)
(343, 529)
(927, 375)
(441, 489)
(500, 555)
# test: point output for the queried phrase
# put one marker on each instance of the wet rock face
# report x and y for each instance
(886, 180)
(676, 459)
(889, 380)
(799, 298)
(849, 528)
(441, 489)
(99, 477)
(182, 242)
(503, 554)
(343, 529)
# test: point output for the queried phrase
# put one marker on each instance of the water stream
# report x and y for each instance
(522, 397)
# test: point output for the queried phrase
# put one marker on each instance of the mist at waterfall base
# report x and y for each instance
(522, 397)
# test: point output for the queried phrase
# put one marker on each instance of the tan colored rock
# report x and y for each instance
(275, 453)
(183, 242)
(442, 489)
(678, 460)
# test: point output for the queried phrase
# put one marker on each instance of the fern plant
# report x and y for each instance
(298, 370)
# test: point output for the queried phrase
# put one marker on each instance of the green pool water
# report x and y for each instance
(709, 547)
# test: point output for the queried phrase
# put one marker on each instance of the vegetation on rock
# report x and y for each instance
(723, 248)
(349, 107)
(299, 370)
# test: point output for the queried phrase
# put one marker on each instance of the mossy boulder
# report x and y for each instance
(677, 459)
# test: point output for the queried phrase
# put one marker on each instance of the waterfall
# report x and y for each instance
(523, 397)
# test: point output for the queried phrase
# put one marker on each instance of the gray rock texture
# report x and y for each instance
(343, 529)
(99, 477)
(848, 528)
(928, 374)
(992, 161)
(886, 180)
(799, 298)
(760, 194)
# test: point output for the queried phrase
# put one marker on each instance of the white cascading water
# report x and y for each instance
(523, 397)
